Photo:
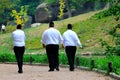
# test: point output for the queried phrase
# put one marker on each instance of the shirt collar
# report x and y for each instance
(18, 29)
(51, 27)
(69, 30)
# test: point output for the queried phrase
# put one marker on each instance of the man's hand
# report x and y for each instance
(81, 47)
(43, 45)
(63, 46)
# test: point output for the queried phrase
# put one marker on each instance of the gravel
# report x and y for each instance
(9, 72)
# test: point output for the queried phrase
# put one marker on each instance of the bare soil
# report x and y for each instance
(9, 72)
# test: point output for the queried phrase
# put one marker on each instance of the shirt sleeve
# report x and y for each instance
(43, 38)
(60, 38)
(24, 36)
(78, 41)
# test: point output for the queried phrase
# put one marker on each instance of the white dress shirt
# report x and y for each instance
(70, 38)
(3, 27)
(51, 36)
(18, 38)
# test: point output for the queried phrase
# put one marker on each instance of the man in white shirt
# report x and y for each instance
(51, 38)
(3, 28)
(19, 46)
(70, 42)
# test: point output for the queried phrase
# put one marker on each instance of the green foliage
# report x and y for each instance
(51, 1)
(32, 5)
(101, 63)
(5, 50)
(116, 64)
(4, 10)
(113, 31)
(108, 48)
(113, 49)
(85, 61)
(33, 43)
(36, 58)
(10, 28)
(21, 16)
(97, 5)
(6, 55)
(16, 4)
(114, 10)
(63, 59)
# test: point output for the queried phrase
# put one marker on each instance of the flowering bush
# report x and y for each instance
(20, 17)
(62, 6)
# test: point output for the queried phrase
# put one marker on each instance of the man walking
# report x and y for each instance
(19, 46)
(51, 38)
(3, 28)
(70, 42)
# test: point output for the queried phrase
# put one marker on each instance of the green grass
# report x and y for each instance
(101, 63)
(33, 40)
(89, 30)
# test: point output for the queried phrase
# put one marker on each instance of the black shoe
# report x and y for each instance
(20, 71)
(57, 69)
(71, 69)
(51, 70)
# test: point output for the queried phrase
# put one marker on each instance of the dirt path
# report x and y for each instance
(9, 72)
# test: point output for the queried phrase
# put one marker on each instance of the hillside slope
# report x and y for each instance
(90, 31)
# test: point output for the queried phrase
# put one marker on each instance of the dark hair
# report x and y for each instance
(51, 24)
(69, 26)
(19, 26)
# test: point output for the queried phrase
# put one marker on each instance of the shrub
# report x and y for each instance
(114, 10)
(6, 57)
(10, 28)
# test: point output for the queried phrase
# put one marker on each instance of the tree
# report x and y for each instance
(97, 5)
(32, 6)
(5, 9)
(68, 7)
(21, 16)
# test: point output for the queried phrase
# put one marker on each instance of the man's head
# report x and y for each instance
(51, 24)
(69, 26)
(19, 26)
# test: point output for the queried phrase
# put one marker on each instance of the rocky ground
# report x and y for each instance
(9, 72)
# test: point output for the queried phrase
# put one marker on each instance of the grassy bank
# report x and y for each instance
(34, 34)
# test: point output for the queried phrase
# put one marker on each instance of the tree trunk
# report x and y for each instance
(68, 7)
(97, 5)
(107, 5)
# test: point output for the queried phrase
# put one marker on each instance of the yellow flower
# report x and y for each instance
(62, 6)
(20, 17)
(14, 11)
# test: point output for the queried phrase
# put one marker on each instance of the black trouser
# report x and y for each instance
(3, 30)
(19, 51)
(70, 51)
(52, 53)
